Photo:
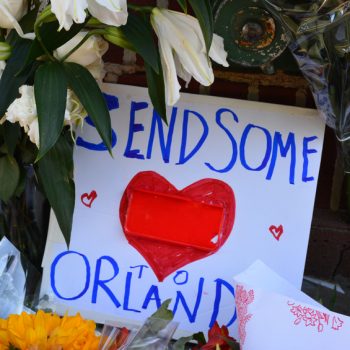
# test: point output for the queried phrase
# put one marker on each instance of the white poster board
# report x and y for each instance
(266, 155)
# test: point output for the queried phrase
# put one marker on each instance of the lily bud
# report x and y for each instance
(5, 51)
(115, 36)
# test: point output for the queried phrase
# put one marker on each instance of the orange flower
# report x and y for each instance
(44, 331)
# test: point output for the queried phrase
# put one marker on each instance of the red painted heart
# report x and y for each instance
(88, 198)
(277, 232)
(172, 228)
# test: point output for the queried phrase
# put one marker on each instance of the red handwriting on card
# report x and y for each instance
(243, 299)
(88, 198)
(172, 228)
(277, 232)
(314, 318)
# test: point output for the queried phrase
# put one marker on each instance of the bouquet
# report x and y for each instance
(51, 66)
(48, 331)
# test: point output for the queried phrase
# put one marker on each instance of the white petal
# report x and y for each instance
(23, 109)
(33, 132)
(16, 9)
(93, 48)
(111, 12)
(88, 55)
(217, 51)
(10, 21)
(97, 69)
(185, 37)
(181, 72)
(172, 86)
(67, 11)
(75, 112)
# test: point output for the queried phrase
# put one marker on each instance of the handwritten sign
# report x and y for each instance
(180, 209)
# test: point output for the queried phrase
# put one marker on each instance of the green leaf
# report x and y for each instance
(232, 344)
(9, 177)
(199, 337)
(52, 39)
(10, 80)
(55, 174)
(180, 344)
(163, 313)
(204, 14)
(156, 90)
(88, 92)
(183, 5)
(139, 33)
(50, 88)
(12, 134)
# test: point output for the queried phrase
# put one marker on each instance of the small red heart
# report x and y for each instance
(88, 198)
(277, 232)
(172, 228)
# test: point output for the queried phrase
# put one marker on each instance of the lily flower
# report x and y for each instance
(183, 51)
(111, 12)
(11, 11)
(23, 111)
(88, 55)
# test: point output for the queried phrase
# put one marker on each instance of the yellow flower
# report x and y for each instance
(44, 331)
(3, 335)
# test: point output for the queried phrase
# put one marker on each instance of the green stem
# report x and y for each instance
(140, 8)
(45, 14)
(86, 37)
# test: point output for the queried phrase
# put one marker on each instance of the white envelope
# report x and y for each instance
(260, 275)
(273, 321)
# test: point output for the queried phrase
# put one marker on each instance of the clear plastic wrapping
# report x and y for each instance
(320, 43)
(19, 281)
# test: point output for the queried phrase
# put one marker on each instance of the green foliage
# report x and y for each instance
(139, 33)
(11, 81)
(204, 14)
(12, 134)
(117, 37)
(156, 91)
(183, 5)
(87, 90)
(51, 38)
(9, 176)
(50, 89)
(55, 173)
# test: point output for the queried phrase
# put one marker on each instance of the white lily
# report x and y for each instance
(183, 51)
(23, 111)
(111, 12)
(88, 55)
(11, 11)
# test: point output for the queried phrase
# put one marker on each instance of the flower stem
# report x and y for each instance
(140, 8)
(38, 36)
(41, 19)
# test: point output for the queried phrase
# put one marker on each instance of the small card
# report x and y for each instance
(269, 320)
